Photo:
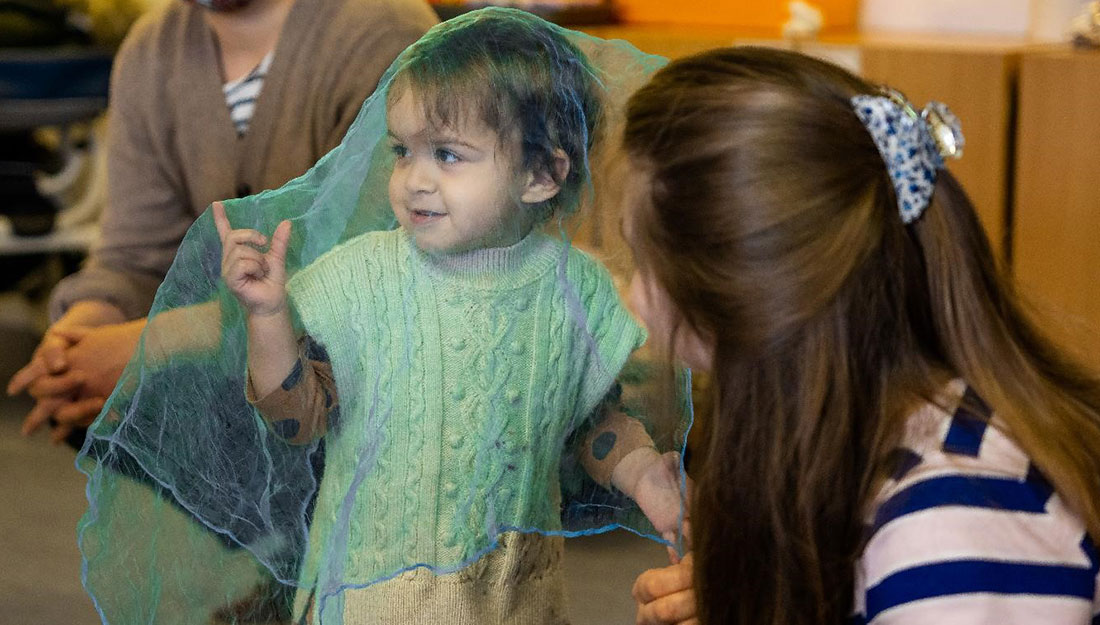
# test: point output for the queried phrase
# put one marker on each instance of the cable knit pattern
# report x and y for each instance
(459, 378)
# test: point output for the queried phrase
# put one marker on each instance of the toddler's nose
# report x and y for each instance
(419, 179)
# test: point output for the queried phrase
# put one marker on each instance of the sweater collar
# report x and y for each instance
(498, 268)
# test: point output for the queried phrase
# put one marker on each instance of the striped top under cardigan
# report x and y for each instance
(241, 94)
(968, 531)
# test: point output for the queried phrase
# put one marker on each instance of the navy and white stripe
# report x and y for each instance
(969, 531)
(241, 94)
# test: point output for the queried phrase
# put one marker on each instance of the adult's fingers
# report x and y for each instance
(47, 386)
(71, 334)
(80, 412)
(52, 351)
(49, 357)
(675, 609)
(656, 583)
(39, 415)
(25, 376)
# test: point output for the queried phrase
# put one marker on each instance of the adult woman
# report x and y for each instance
(209, 100)
(894, 442)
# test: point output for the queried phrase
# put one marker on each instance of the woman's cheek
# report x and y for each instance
(645, 299)
(693, 350)
(654, 307)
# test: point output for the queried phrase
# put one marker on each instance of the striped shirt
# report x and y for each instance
(968, 531)
(241, 94)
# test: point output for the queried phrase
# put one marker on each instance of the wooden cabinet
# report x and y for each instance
(1056, 240)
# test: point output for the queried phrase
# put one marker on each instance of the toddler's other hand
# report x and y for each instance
(255, 277)
(659, 496)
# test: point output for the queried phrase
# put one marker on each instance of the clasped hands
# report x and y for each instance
(72, 372)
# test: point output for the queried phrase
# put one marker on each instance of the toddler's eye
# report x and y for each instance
(400, 151)
(446, 156)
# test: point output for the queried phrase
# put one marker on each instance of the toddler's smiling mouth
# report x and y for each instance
(420, 217)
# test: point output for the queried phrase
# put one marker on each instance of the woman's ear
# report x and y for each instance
(540, 185)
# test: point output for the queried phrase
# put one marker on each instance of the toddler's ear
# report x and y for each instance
(540, 185)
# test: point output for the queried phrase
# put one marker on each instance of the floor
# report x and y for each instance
(42, 497)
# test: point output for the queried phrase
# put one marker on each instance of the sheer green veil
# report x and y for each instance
(200, 511)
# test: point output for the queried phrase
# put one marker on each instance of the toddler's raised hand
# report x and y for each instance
(255, 277)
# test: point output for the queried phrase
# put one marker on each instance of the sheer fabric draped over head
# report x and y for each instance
(457, 419)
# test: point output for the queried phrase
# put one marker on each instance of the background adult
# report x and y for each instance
(210, 99)
(894, 441)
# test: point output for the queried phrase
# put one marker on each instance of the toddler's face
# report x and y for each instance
(454, 189)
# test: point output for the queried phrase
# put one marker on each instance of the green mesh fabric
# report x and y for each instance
(465, 380)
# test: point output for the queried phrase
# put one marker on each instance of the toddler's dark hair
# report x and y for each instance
(520, 74)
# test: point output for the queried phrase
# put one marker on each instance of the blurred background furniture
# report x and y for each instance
(1056, 234)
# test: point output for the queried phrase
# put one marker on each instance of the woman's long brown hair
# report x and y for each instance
(772, 224)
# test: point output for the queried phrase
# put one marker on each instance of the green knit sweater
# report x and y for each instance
(460, 378)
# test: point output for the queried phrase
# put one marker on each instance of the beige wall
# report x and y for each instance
(1041, 20)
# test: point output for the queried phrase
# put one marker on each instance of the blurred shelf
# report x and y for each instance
(18, 115)
(78, 239)
(52, 85)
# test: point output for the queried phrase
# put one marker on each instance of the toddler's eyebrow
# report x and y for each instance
(452, 140)
(441, 140)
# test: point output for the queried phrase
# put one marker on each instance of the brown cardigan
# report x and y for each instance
(172, 148)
